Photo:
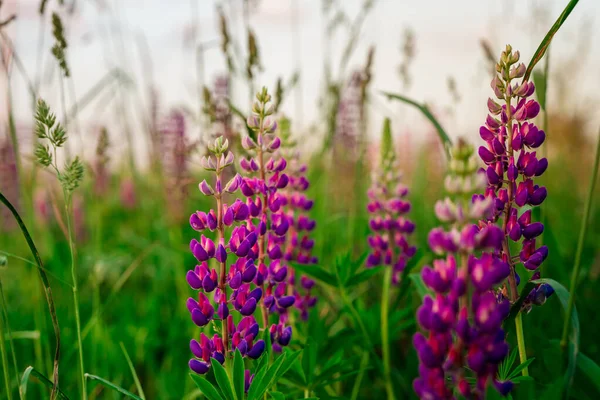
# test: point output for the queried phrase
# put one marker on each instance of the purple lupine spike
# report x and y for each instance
(228, 285)
(515, 185)
(388, 207)
(463, 285)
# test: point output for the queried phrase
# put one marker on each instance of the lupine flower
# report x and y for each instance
(174, 154)
(298, 244)
(127, 193)
(347, 127)
(227, 287)
(266, 218)
(462, 321)
(512, 165)
(9, 182)
(388, 208)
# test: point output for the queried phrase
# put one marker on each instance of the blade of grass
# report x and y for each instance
(446, 142)
(132, 368)
(29, 371)
(541, 50)
(47, 289)
(112, 386)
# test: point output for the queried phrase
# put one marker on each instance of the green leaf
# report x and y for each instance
(277, 395)
(309, 359)
(136, 379)
(260, 386)
(420, 287)
(519, 368)
(29, 371)
(541, 50)
(590, 369)
(287, 364)
(362, 276)
(222, 379)
(423, 108)
(112, 386)
(316, 272)
(563, 295)
(206, 387)
(238, 374)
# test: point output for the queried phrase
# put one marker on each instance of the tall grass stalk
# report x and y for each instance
(68, 210)
(385, 331)
(581, 241)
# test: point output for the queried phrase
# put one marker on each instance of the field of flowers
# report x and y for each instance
(241, 264)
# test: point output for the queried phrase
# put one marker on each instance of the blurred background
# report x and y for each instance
(152, 81)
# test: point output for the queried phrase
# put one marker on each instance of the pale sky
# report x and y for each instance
(447, 35)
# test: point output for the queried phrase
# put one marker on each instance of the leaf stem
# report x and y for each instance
(579, 251)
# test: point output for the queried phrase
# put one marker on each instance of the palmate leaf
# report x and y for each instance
(265, 379)
(222, 379)
(238, 374)
(316, 272)
(206, 387)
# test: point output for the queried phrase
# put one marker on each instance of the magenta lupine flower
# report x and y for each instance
(9, 183)
(347, 127)
(266, 218)
(217, 282)
(174, 153)
(297, 243)
(462, 320)
(512, 166)
(388, 207)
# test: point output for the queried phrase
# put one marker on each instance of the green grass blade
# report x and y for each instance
(423, 108)
(541, 50)
(32, 371)
(206, 388)
(133, 372)
(590, 369)
(112, 386)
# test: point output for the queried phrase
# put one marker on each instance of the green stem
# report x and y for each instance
(363, 367)
(582, 234)
(385, 340)
(521, 342)
(68, 206)
(4, 359)
(47, 289)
